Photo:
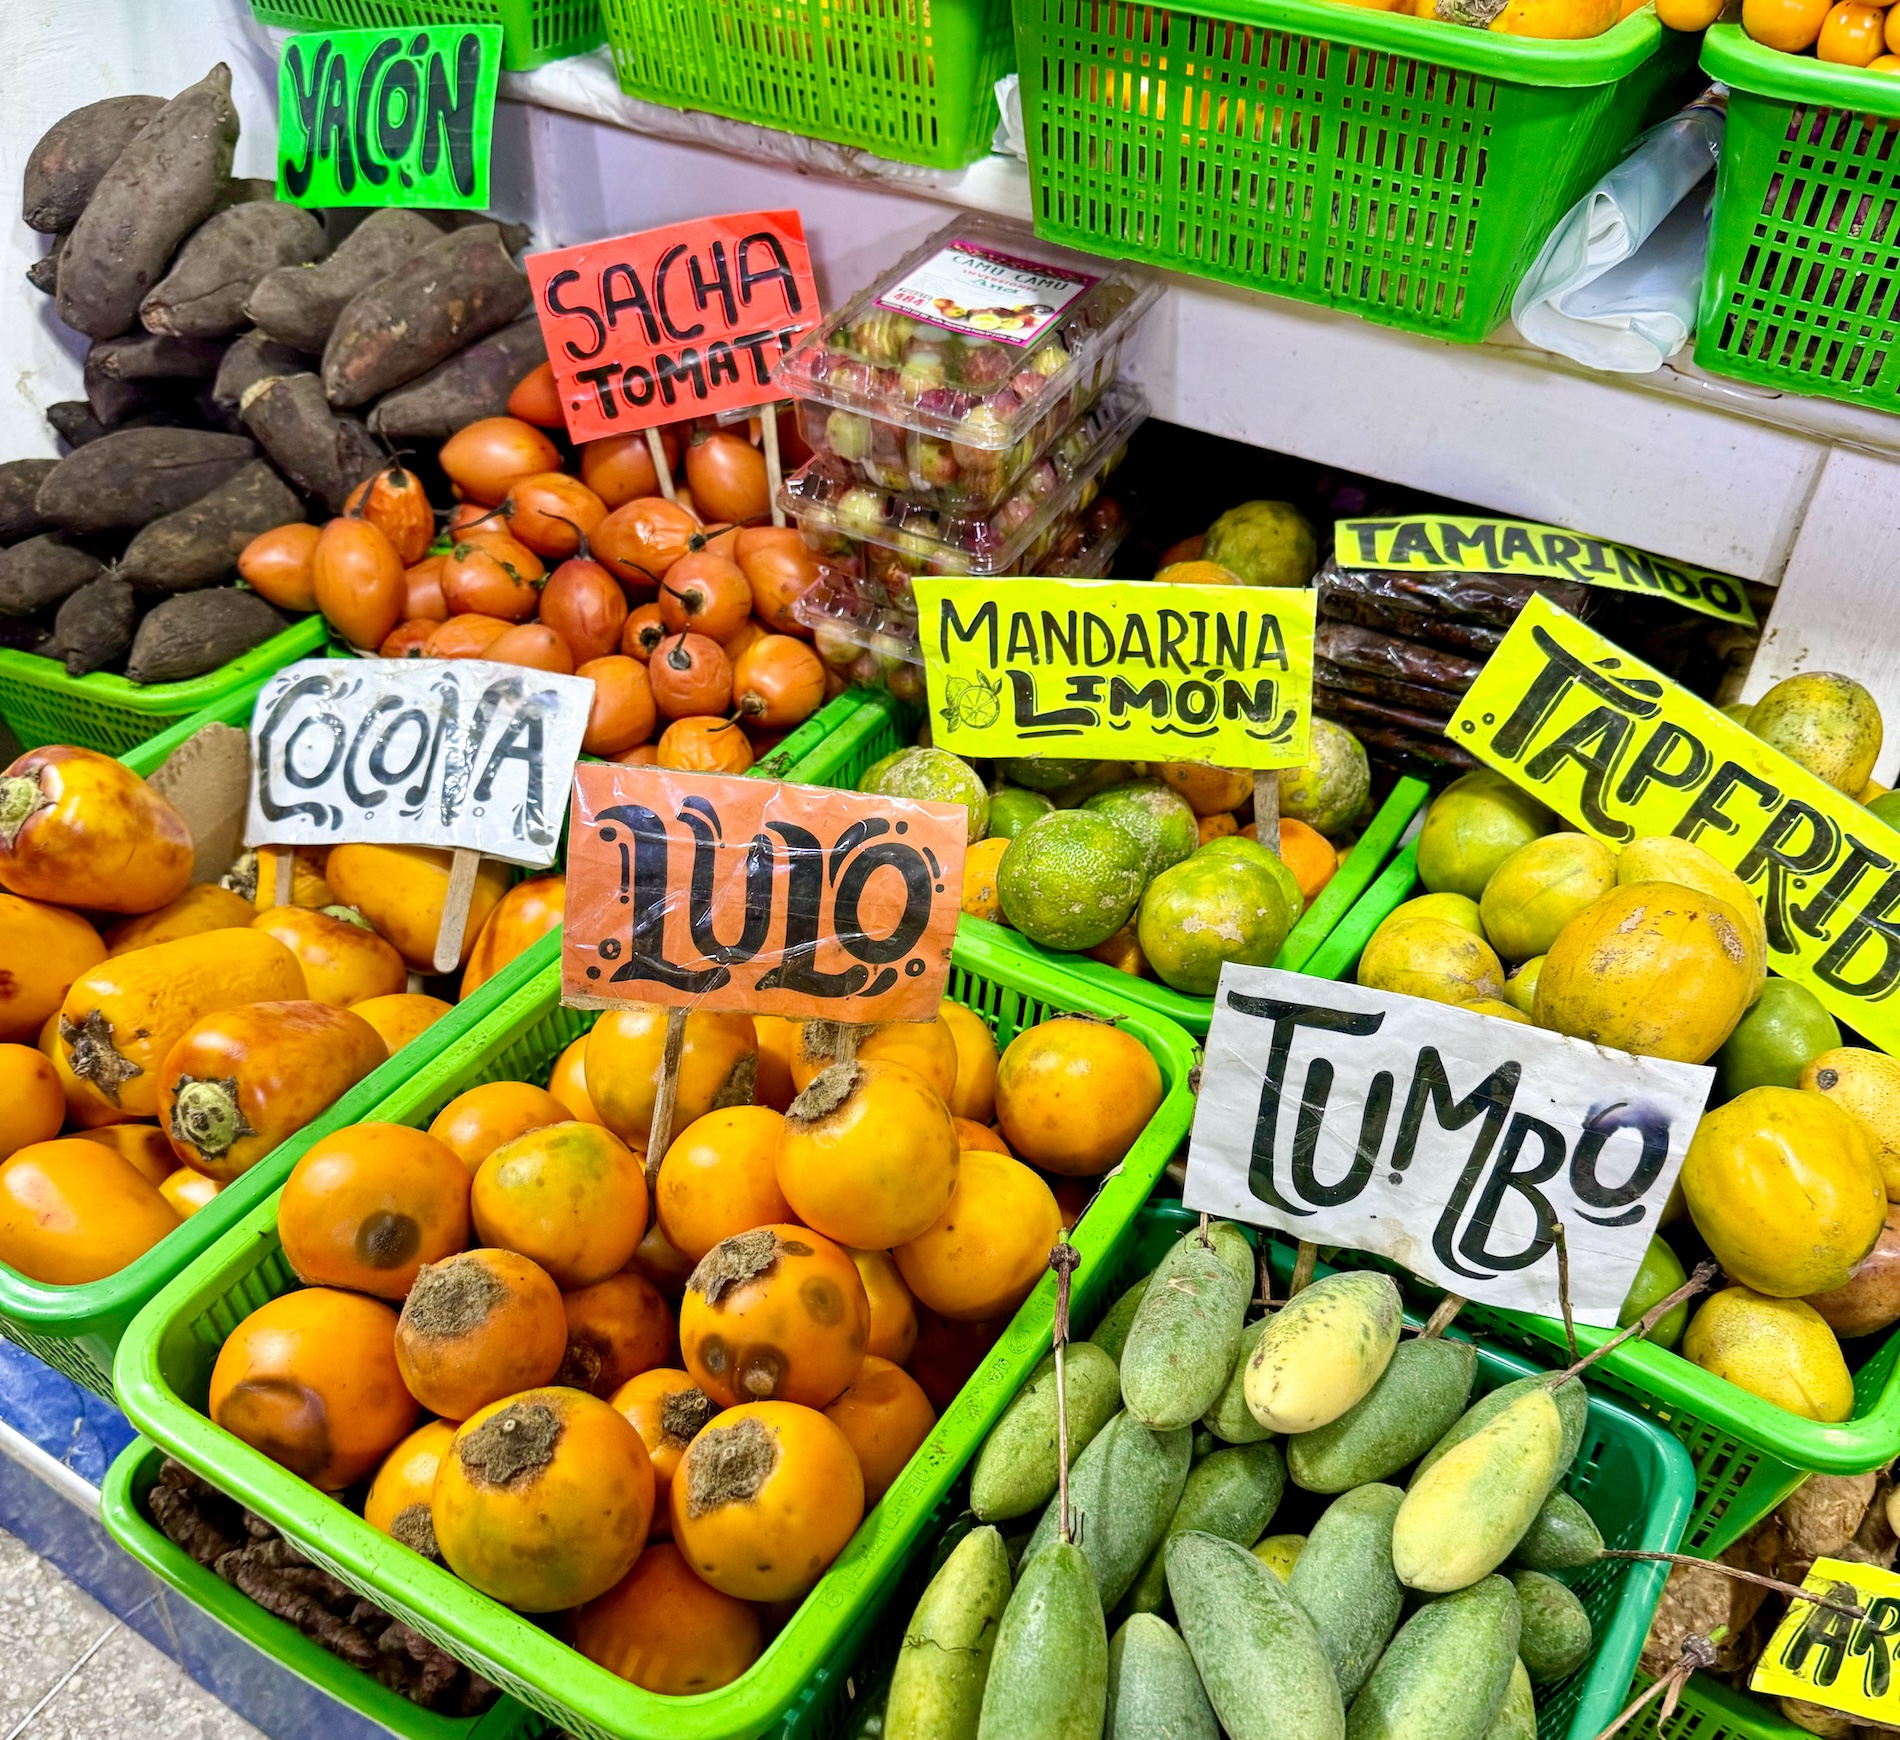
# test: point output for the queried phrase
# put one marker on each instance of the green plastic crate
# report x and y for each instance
(123, 1509)
(1804, 250)
(41, 704)
(164, 1368)
(874, 725)
(1633, 1479)
(1398, 168)
(77, 1329)
(1713, 1710)
(913, 80)
(533, 32)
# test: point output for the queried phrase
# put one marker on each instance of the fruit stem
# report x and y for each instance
(1704, 1276)
(1563, 1288)
(1698, 1652)
(1442, 1313)
(19, 798)
(1834, 1603)
(206, 1114)
(1064, 1259)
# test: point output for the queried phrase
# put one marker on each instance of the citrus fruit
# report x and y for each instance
(1866, 1085)
(1198, 573)
(1309, 855)
(933, 775)
(1157, 817)
(1536, 891)
(1785, 1190)
(1782, 1033)
(1047, 773)
(1778, 1349)
(1664, 858)
(1013, 808)
(1265, 543)
(1331, 786)
(980, 899)
(1429, 957)
(1887, 808)
(1653, 968)
(1851, 34)
(1497, 1008)
(1474, 824)
(1245, 846)
(1214, 907)
(1827, 722)
(1070, 880)
(1458, 909)
(1209, 789)
(1660, 1275)
(1789, 25)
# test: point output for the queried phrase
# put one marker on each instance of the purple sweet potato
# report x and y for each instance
(252, 358)
(299, 305)
(142, 371)
(42, 572)
(458, 289)
(326, 455)
(473, 383)
(187, 636)
(129, 478)
(20, 481)
(199, 545)
(164, 184)
(43, 274)
(94, 625)
(204, 293)
(66, 165)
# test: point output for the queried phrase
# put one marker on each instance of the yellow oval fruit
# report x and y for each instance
(1430, 957)
(1829, 723)
(1778, 1349)
(1664, 858)
(1654, 968)
(1866, 1085)
(1474, 824)
(1458, 909)
(1784, 1188)
(1498, 1007)
(1540, 888)
(1520, 989)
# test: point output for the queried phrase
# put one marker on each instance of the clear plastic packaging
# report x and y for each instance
(847, 522)
(981, 340)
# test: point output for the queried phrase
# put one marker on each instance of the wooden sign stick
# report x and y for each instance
(666, 1097)
(448, 936)
(774, 475)
(661, 469)
(1063, 1259)
(1303, 1260)
(286, 878)
(1266, 808)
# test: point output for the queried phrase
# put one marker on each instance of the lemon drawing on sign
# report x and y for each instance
(976, 702)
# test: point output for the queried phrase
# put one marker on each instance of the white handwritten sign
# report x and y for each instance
(1451, 1142)
(427, 752)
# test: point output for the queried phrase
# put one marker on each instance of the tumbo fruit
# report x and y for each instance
(1209, 909)
(1330, 787)
(1070, 879)
(1827, 722)
(1536, 891)
(1264, 543)
(1866, 1085)
(1430, 957)
(1473, 825)
(1778, 1349)
(1784, 1031)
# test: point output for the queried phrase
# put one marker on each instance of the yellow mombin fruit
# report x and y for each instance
(1653, 968)
(1458, 909)
(1664, 858)
(1778, 1349)
(1865, 1084)
(1540, 888)
(1520, 989)
(1433, 958)
(1784, 1188)
(1474, 824)
(1827, 722)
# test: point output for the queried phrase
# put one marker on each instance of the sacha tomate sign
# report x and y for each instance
(681, 321)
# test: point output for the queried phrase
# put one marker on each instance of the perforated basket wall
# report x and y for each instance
(533, 32)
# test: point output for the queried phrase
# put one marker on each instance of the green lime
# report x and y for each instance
(1214, 907)
(1887, 808)
(1330, 790)
(1239, 846)
(1012, 809)
(1775, 1040)
(1661, 1274)
(1070, 879)
(1160, 819)
(932, 775)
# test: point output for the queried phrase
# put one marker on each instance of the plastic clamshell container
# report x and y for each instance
(164, 1370)
(908, 352)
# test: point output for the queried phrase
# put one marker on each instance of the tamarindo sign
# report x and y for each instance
(403, 116)
(1452, 1142)
(677, 322)
(455, 753)
(1823, 1656)
(1621, 752)
(710, 892)
(1123, 669)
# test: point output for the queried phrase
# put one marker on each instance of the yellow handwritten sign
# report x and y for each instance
(1118, 668)
(1621, 752)
(1438, 544)
(1832, 1659)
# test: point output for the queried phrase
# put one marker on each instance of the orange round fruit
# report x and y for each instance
(1308, 854)
(948, 1353)
(398, 1500)
(476, 1123)
(718, 1064)
(775, 1314)
(72, 1211)
(972, 1135)
(568, 1082)
(478, 1326)
(572, 1196)
(765, 1498)
(398, 1019)
(989, 1247)
(720, 1177)
(616, 1329)
(310, 1380)
(543, 1500)
(669, 1411)
(188, 1191)
(656, 1260)
(885, 1417)
(928, 1047)
(893, 1311)
(974, 1096)
(145, 1147)
(667, 1631)
(1072, 1095)
(1851, 34)
(32, 1103)
(1789, 25)
(368, 1205)
(778, 1039)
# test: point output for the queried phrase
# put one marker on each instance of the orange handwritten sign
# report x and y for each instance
(702, 891)
(676, 322)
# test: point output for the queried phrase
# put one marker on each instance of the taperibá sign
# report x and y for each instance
(1454, 1143)
(1622, 752)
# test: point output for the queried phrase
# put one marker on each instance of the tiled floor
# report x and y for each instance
(70, 1671)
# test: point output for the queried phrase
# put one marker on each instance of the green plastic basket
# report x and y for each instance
(1401, 169)
(123, 1509)
(1713, 1710)
(77, 1329)
(533, 32)
(874, 725)
(909, 79)
(1804, 251)
(1633, 1479)
(41, 704)
(165, 1362)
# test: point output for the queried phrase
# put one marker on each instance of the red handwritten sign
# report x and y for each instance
(676, 322)
(702, 891)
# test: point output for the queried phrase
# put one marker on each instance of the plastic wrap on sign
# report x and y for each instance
(709, 892)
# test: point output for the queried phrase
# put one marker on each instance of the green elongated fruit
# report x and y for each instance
(1573, 1406)
(1232, 1493)
(1417, 1399)
(1462, 1517)
(1015, 1470)
(1154, 1692)
(1257, 1652)
(1343, 1581)
(944, 1661)
(1048, 1675)
(1122, 1490)
(1323, 1350)
(1111, 1334)
(1517, 1715)
(1554, 1637)
(1186, 1332)
(1446, 1674)
(1563, 1536)
(1230, 1417)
